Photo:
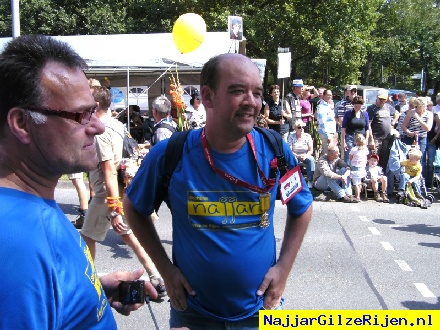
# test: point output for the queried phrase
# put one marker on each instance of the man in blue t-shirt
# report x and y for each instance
(47, 128)
(222, 199)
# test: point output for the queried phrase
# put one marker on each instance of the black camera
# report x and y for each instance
(131, 292)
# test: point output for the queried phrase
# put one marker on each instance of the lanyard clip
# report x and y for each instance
(274, 171)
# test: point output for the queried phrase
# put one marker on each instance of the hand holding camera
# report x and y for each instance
(111, 282)
(133, 293)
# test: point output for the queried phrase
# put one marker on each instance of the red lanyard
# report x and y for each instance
(268, 183)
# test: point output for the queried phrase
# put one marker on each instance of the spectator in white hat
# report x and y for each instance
(294, 98)
(383, 117)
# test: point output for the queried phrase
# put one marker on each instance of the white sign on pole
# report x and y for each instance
(284, 65)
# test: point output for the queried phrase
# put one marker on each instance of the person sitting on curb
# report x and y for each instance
(332, 172)
(375, 175)
(412, 173)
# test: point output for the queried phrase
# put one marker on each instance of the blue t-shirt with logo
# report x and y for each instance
(48, 279)
(218, 243)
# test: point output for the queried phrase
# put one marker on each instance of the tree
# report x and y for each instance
(380, 42)
(409, 41)
(66, 17)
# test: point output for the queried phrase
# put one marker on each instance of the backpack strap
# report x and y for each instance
(174, 151)
(156, 127)
(173, 154)
(277, 144)
(164, 125)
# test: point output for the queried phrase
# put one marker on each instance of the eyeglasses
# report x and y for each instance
(82, 118)
(300, 127)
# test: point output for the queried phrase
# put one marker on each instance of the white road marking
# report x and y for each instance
(424, 290)
(374, 230)
(403, 265)
(387, 246)
(363, 218)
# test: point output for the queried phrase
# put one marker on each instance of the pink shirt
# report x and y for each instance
(360, 157)
(306, 109)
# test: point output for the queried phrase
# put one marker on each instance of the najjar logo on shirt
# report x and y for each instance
(220, 210)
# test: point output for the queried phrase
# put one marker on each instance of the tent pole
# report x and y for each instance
(127, 106)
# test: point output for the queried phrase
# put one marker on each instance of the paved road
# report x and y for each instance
(354, 256)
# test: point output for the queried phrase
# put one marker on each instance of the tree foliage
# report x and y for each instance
(381, 42)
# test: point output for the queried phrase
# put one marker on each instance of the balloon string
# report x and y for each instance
(166, 70)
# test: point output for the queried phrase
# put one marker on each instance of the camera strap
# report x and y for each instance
(147, 301)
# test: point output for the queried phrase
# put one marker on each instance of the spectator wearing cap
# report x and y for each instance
(382, 119)
(375, 174)
(196, 113)
(277, 113)
(294, 98)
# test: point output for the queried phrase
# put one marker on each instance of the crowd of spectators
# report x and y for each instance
(310, 122)
(315, 127)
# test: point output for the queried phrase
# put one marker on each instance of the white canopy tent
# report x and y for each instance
(141, 59)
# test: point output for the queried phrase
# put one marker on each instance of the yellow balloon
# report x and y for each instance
(189, 32)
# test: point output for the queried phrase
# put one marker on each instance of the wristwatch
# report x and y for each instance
(114, 214)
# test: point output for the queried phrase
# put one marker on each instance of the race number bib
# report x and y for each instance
(290, 184)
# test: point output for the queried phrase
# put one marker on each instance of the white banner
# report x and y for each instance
(284, 65)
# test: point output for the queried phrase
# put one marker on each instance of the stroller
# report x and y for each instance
(398, 153)
(409, 198)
